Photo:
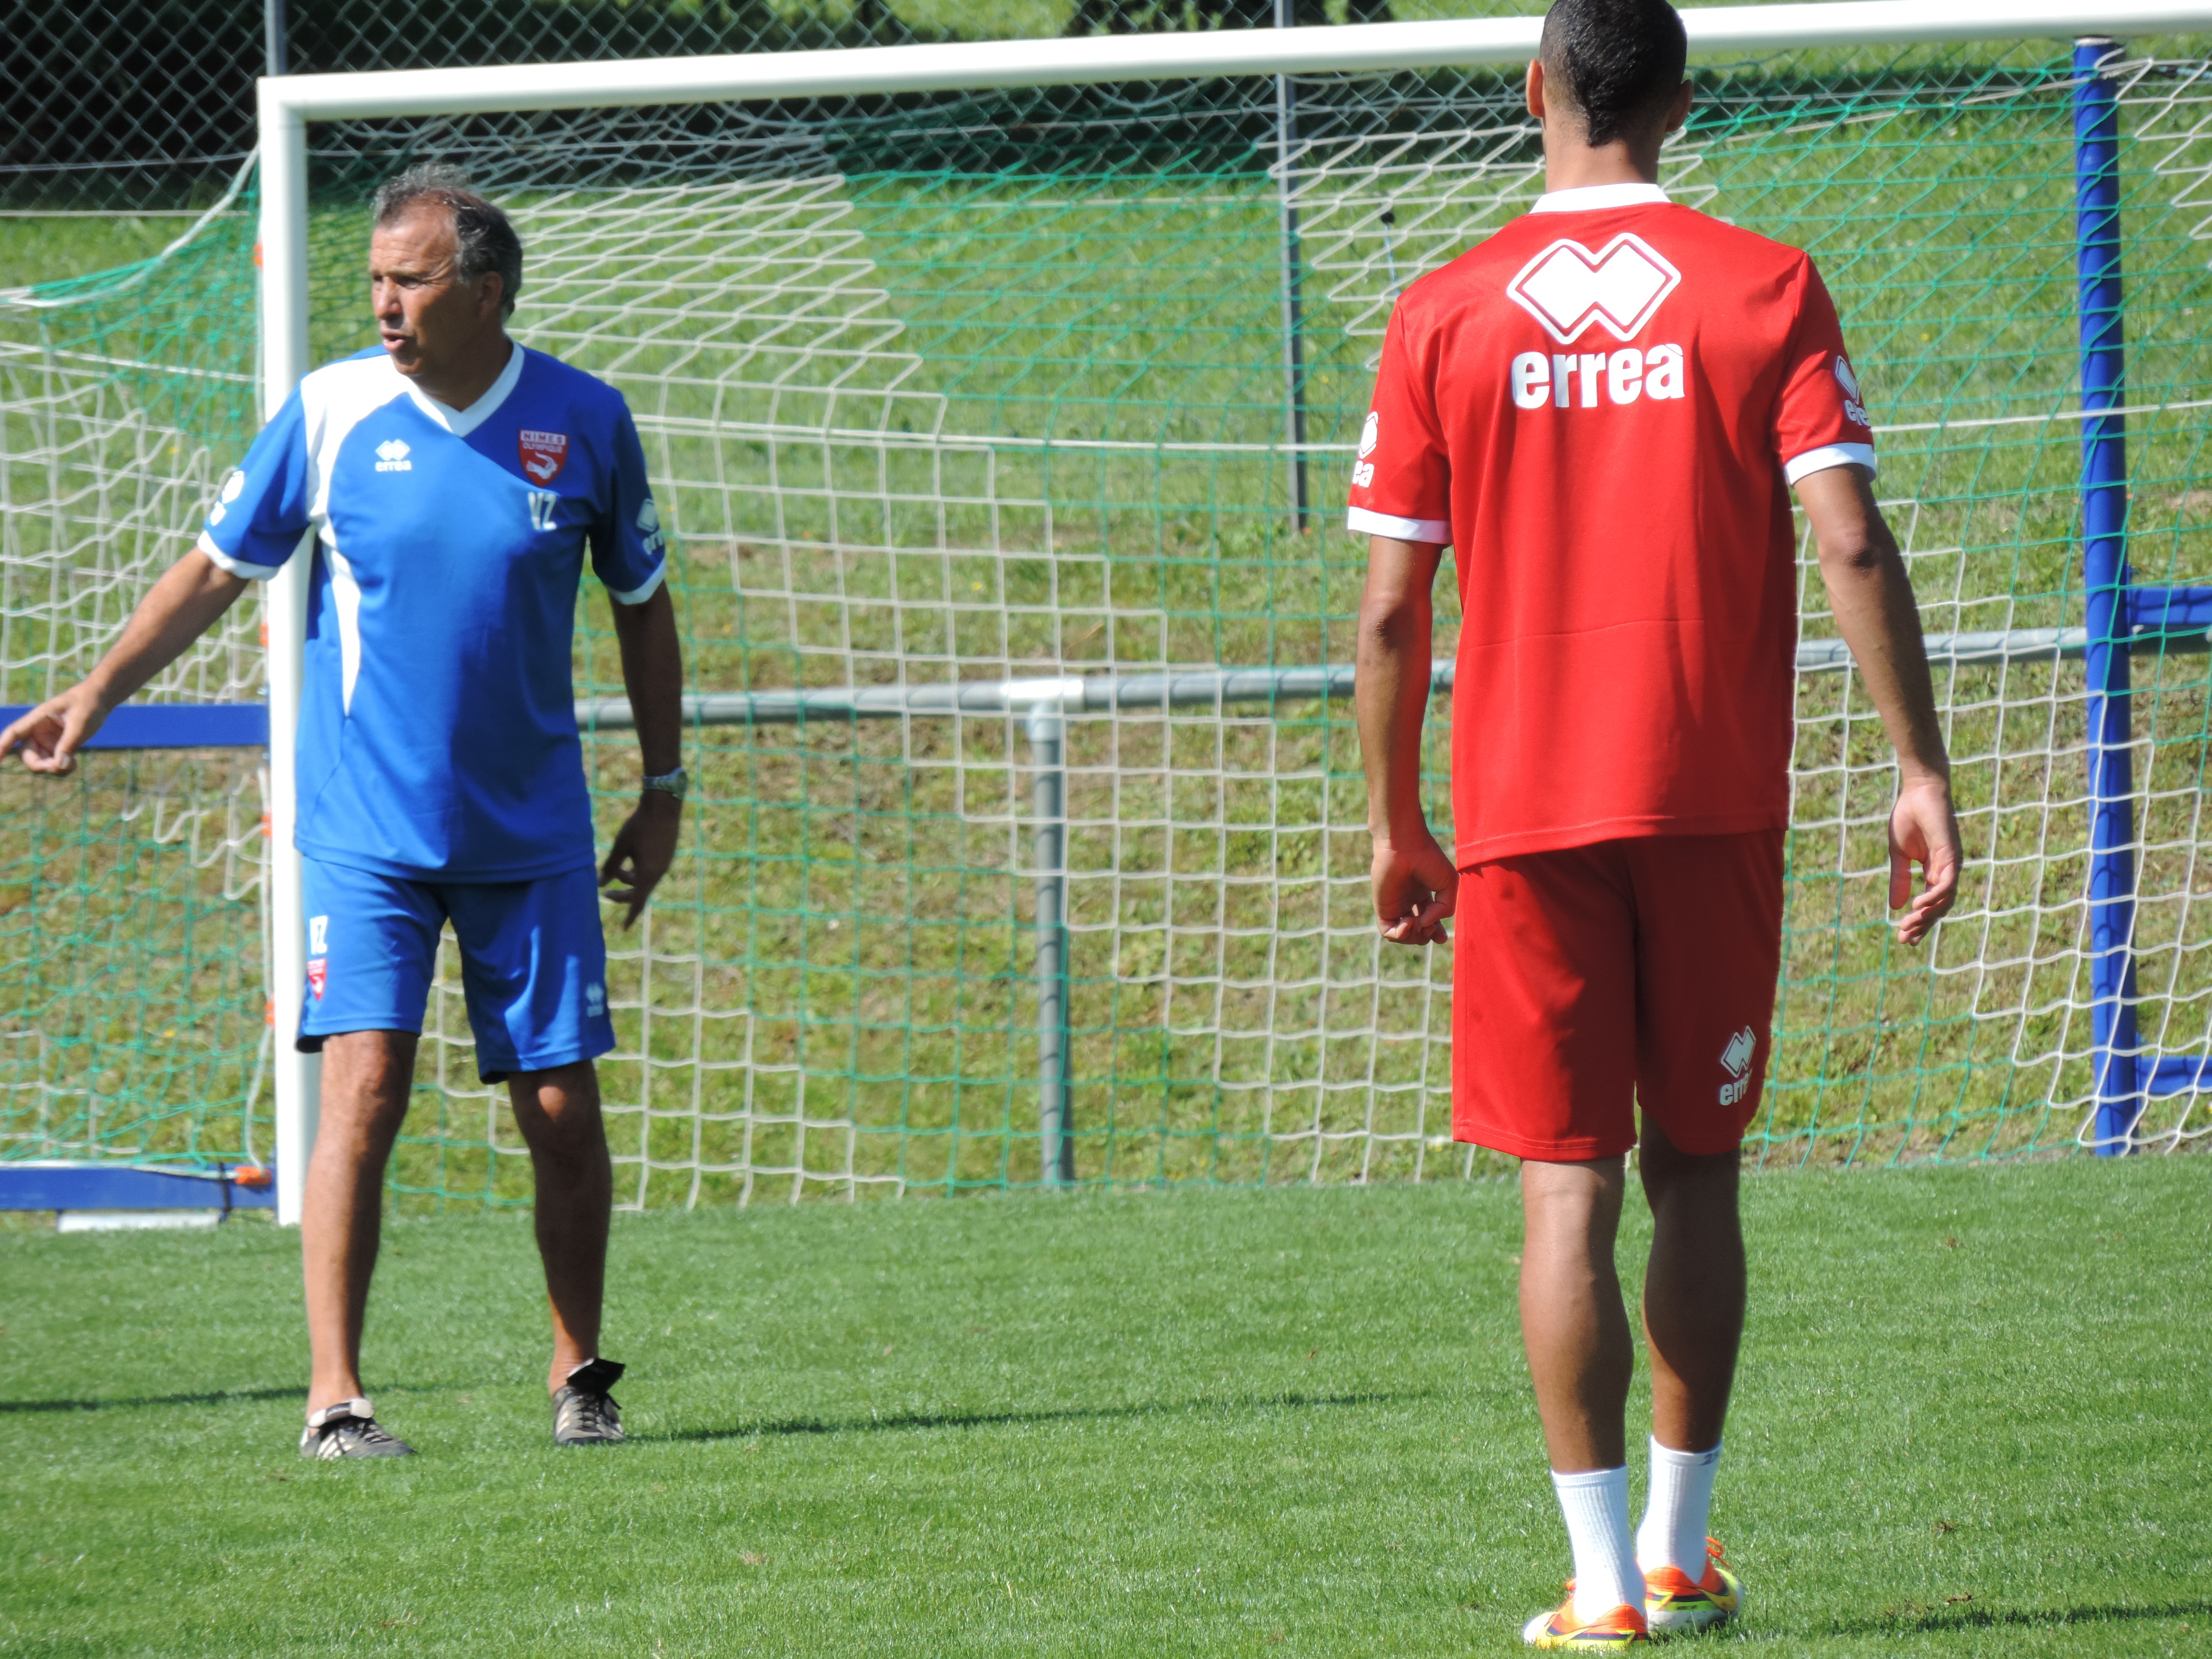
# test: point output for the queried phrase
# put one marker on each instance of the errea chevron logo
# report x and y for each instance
(391, 456)
(1735, 1060)
(1566, 288)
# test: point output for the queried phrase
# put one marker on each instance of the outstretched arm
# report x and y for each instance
(1872, 597)
(191, 596)
(653, 674)
(1414, 882)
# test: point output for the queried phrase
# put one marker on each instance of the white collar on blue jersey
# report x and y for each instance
(461, 422)
(1590, 197)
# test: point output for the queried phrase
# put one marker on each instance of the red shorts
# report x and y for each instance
(1592, 979)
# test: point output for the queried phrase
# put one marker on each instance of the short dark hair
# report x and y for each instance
(1618, 62)
(484, 240)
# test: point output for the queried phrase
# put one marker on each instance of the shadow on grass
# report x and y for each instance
(1910, 1621)
(906, 1420)
(216, 1397)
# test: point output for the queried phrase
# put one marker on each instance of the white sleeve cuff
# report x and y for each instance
(222, 561)
(1828, 455)
(640, 595)
(1360, 521)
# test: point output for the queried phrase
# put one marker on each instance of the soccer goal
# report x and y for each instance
(1001, 400)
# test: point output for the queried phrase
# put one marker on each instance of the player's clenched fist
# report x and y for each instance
(1415, 888)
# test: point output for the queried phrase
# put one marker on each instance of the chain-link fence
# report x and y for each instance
(143, 107)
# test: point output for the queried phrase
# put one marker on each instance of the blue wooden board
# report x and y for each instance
(123, 1187)
(175, 725)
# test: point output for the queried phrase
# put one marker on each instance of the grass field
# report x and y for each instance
(1973, 1419)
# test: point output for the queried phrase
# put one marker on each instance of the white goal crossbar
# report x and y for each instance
(289, 103)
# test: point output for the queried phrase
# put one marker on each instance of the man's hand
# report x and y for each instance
(184, 604)
(1872, 597)
(1416, 887)
(50, 735)
(1923, 831)
(644, 848)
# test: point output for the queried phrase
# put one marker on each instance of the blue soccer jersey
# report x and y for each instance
(437, 725)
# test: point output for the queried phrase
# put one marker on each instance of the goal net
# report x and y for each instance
(133, 972)
(1059, 387)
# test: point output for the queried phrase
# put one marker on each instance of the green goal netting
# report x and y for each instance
(962, 389)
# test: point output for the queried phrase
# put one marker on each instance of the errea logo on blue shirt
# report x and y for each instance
(391, 457)
(232, 488)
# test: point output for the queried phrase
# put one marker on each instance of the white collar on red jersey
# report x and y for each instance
(1590, 196)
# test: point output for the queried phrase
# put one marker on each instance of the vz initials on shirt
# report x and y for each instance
(543, 503)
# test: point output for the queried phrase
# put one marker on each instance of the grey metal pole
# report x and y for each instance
(1294, 366)
(1055, 1134)
(272, 26)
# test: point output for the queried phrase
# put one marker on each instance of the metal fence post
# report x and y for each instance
(1294, 349)
(2105, 581)
(1048, 792)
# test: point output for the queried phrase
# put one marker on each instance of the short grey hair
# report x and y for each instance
(484, 240)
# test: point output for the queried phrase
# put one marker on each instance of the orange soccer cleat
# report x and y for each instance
(1559, 1628)
(1672, 1602)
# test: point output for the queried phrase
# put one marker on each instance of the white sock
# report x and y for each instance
(1673, 1530)
(1595, 1505)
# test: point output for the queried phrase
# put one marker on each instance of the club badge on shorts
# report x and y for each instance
(318, 976)
(544, 454)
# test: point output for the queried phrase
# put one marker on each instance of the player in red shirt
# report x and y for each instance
(1603, 410)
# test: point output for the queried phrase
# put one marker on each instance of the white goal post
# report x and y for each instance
(287, 105)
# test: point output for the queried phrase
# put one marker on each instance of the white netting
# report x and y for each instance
(990, 388)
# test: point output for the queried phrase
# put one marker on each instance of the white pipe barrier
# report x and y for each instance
(1352, 49)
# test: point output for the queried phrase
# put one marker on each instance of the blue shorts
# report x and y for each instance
(533, 962)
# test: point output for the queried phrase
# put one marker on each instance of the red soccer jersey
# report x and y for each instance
(1601, 409)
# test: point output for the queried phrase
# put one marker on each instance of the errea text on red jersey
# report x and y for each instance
(1572, 379)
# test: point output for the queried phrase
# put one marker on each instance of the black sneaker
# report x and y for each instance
(350, 1429)
(584, 1412)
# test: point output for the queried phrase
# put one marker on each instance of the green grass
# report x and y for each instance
(1973, 1420)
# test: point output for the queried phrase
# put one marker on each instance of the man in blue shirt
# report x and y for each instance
(447, 483)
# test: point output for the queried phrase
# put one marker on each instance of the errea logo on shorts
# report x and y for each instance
(1735, 1060)
(595, 1000)
(648, 524)
(391, 457)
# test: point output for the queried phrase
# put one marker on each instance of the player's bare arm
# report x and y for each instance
(1871, 594)
(1415, 881)
(653, 674)
(190, 598)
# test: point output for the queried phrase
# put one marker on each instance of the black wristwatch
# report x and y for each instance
(676, 783)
